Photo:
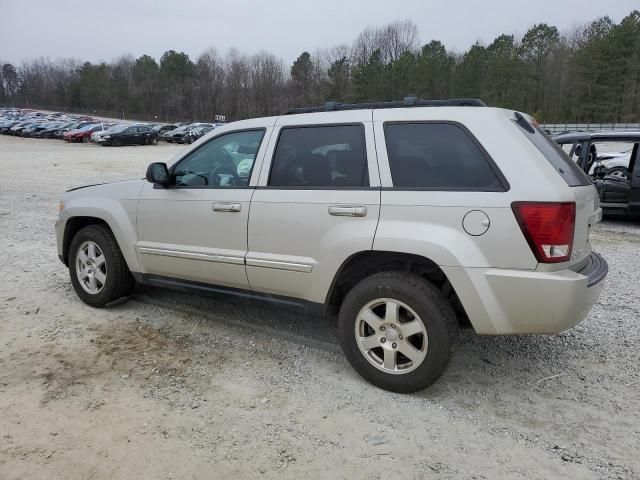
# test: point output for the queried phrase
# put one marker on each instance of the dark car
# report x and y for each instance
(619, 191)
(50, 130)
(33, 129)
(17, 128)
(131, 135)
(36, 131)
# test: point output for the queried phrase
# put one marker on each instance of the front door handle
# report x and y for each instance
(348, 210)
(226, 207)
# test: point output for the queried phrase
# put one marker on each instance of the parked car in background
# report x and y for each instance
(130, 135)
(616, 162)
(97, 136)
(59, 134)
(195, 133)
(71, 135)
(176, 135)
(616, 175)
(163, 128)
(17, 128)
(32, 129)
(84, 134)
(179, 134)
(44, 129)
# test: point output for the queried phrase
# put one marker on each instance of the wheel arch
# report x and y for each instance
(77, 222)
(363, 264)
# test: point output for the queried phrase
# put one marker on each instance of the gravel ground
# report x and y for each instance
(180, 386)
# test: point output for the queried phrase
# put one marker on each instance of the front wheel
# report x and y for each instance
(397, 330)
(99, 273)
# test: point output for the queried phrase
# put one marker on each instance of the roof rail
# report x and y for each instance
(409, 101)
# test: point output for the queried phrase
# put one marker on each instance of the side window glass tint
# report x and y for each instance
(323, 156)
(437, 156)
(225, 161)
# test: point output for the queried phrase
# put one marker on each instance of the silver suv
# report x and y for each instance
(407, 219)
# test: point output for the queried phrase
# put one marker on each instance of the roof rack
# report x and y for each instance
(409, 101)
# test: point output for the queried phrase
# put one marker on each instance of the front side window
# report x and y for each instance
(225, 161)
(437, 156)
(323, 156)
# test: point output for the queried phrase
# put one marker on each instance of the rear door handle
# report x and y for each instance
(226, 207)
(348, 210)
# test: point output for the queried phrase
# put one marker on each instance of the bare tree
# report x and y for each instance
(397, 38)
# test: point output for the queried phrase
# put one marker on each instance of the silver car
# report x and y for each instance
(405, 219)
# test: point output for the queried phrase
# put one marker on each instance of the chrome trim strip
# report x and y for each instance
(192, 255)
(294, 267)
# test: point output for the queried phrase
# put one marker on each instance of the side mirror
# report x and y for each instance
(158, 174)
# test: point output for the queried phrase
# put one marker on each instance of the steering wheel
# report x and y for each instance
(214, 176)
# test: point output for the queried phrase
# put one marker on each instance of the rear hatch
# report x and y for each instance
(588, 213)
(588, 210)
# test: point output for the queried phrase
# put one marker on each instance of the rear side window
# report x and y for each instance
(438, 156)
(320, 157)
(572, 174)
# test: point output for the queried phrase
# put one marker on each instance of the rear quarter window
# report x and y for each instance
(570, 172)
(439, 156)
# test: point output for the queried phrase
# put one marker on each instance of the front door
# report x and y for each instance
(197, 229)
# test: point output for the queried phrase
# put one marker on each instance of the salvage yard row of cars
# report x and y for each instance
(77, 128)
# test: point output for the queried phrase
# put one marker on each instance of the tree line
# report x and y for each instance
(588, 74)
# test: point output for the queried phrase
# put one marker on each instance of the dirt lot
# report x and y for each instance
(174, 386)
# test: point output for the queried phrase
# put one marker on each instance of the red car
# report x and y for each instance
(83, 134)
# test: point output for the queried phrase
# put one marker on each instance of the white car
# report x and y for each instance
(615, 161)
(98, 137)
(437, 213)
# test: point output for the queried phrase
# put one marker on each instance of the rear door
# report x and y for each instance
(316, 204)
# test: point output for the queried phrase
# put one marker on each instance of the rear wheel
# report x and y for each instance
(397, 330)
(99, 273)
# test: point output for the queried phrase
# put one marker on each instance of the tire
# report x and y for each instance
(621, 171)
(432, 346)
(116, 142)
(118, 282)
(85, 139)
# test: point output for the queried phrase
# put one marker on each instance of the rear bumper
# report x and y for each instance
(500, 301)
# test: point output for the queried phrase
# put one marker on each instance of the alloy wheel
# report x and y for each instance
(391, 336)
(91, 267)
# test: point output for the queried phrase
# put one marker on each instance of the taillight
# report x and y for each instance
(548, 228)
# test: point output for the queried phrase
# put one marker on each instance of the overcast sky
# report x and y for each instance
(104, 30)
